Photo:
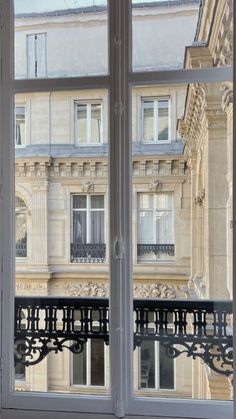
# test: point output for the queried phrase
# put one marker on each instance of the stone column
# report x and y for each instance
(216, 196)
(227, 106)
(40, 225)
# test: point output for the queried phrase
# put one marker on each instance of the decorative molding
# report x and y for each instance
(162, 291)
(199, 199)
(95, 289)
(227, 95)
(155, 186)
(90, 289)
(87, 187)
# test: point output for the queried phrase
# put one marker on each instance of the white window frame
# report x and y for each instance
(88, 210)
(121, 402)
(157, 371)
(155, 211)
(89, 369)
(155, 101)
(88, 104)
(19, 105)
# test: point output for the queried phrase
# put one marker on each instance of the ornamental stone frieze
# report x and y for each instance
(95, 289)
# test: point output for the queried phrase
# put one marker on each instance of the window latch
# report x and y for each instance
(119, 248)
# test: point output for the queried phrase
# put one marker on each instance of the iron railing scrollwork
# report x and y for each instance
(199, 329)
(88, 252)
(21, 250)
(157, 249)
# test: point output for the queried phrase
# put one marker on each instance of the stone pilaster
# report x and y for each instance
(40, 224)
(216, 197)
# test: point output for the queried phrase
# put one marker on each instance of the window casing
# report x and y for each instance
(156, 120)
(36, 55)
(121, 325)
(88, 123)
(20, 126)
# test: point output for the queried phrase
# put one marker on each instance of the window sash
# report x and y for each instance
(90, 128)
(155, 123)
(119, 82)
(88, 224)
(20, 126)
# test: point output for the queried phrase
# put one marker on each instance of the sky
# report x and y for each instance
(34, 6)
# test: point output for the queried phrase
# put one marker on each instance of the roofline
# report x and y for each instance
(102, 9)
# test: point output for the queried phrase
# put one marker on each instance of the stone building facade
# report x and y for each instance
(182, 175)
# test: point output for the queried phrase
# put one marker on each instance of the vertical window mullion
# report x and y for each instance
(121, 339)
(156, 116)
(88, 218)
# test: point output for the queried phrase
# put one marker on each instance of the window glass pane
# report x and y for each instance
(97, 201)
(79, 227)
(97, 227)
(156, 23)
(182, 243)
(80, 368)
(166, 365)
(96, 120)
(148, 121)
(145, 201)
(163, 119)
(82, 121)
(62, 225)
(97, 363)
(147, 365)
(60, 38)
(145, 227)
(79, 201)
(20, 126)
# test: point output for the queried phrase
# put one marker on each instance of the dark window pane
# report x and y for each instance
(166, 365)
(97, 363)
(79, 367)
(147, 375)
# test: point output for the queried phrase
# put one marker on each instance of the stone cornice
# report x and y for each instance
(96, 168)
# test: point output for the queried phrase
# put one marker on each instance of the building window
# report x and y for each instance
(36, 55)
(88, 367)
(156, 369)
(156, 120)
(155, 227)
(88, 235)
(21, 228)
(20, 133)
(88, 123)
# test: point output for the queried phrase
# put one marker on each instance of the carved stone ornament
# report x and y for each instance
(160, 291)
(94, 289)
(87, 187)
(199, 199)
(155, 186)
(90, 289)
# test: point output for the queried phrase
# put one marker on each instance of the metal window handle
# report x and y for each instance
(119, 248)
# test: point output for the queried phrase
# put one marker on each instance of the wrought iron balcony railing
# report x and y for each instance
(88, 252)
(21, 250)
(200, 329)
(157, 249)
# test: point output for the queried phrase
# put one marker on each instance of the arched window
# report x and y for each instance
(21, 228)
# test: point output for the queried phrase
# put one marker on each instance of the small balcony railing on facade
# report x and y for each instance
(198, 329)
(88, 252)
(21, 250)
(155, 251)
